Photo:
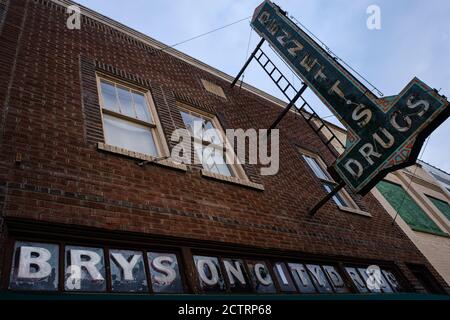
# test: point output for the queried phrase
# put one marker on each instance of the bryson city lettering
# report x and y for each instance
(36, 267)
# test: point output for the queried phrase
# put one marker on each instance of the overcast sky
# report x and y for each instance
(414, 40)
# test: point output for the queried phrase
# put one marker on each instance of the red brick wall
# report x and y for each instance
(49, 114)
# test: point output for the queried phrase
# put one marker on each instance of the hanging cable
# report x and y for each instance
(335, 56)
(409, 184)
(200, 35)
(246, 57)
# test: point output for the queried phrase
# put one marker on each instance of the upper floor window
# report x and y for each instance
(129, 118)
(318, 167)
(211, 146)
(442, 205)
(404, 204)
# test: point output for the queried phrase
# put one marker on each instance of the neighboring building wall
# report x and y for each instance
(435, 245)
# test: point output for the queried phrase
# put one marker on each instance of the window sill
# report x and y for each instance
(232, 180)
(141, 156)
(355, 211)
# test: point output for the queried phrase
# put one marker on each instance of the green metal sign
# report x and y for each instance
(383, 134)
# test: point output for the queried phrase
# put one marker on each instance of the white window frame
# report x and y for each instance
(234, 166)
(154, 127)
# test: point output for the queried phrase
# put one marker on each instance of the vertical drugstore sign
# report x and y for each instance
(383, 134)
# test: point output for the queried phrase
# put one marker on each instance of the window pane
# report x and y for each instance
(127, 271)
(166, 277)
(129, 135)
(237, 275)
(212, 159)
(109, 96)
(262, 281)
(211, 134)
(35, 266)
(219, 161)
(301, 278)
(126, 102)
(319, 278)
(337, 198)
(141, 106)
(316, 168)
(284, 278)
(443, 206)
(84, 269)
(209, 274)
(187, 121)
(197, 126)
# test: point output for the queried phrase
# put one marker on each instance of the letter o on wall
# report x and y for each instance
(214, 277)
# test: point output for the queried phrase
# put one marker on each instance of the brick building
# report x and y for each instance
(84, 114)
(418, 199)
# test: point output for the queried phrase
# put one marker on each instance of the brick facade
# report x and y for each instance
(50, 118)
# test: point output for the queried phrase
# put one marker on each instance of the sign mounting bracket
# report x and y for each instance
(319, 204)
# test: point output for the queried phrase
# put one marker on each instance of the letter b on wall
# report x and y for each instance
(34, 267)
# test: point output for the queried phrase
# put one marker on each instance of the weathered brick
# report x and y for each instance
(50, 113)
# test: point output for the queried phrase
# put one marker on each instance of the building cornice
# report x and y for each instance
(175, 53)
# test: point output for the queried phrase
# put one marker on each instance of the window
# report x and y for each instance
(407, 208)
(341, 199)
(443, 206)
(210, 144)
(129, 119)
(445, 183)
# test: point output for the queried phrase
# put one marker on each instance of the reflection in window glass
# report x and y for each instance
(385, 287)
(127, 271)
(262, 281)
(213, 159)
(165, 273)
(319, 278)
(109, 96)
(84, 269)
(209, 274)
(141, 107)
(301, 278)
(208, 143)
(126, 101)
(337, 198)
(392, 280)
(237, 275)
(328, 184)
(336, 280)
(357, 280)
(315, 167)
(34, 266)
(284, 278)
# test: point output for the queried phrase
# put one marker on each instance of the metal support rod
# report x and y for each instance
(288, 107)
(247, 62)
(319, 204)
